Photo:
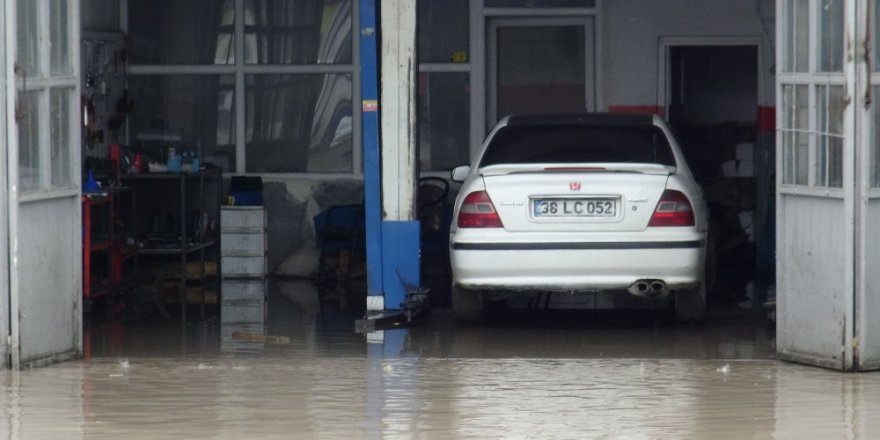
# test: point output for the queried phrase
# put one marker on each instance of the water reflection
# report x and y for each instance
(436, 380)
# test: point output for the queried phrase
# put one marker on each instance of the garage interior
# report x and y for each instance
(147, 95)
(225, 177)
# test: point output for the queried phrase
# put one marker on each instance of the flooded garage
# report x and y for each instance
(307, 374)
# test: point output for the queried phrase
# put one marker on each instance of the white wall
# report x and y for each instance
(631, 31)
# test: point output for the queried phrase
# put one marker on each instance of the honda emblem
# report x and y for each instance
(574, 186)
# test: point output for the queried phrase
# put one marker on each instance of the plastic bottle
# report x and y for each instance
(91, 185)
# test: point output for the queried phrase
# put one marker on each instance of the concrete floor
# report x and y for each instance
(550, 375)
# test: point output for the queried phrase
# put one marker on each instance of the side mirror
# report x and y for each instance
(460, 173)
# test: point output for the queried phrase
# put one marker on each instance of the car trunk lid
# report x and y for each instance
(616, 197)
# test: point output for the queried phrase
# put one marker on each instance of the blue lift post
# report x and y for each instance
(393, 246)
(372, 159)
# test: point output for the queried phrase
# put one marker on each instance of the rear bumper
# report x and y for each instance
(576, 266)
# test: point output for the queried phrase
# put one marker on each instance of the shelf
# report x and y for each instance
(100, 246)
(177, 251)
(103, 286)
(103, 229)
(180, 198)
(171, 176)
(105, 195)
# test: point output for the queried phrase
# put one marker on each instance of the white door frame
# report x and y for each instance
(5, 81)
(493, 23)
(10, 302)
(664, 74)
(868, 196)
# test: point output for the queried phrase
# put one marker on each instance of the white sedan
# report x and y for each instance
(591, 202)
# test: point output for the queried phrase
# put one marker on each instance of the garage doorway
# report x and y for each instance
(539, 65)
(711, 95)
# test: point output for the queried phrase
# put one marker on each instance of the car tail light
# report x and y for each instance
(673, 209)
(477, 211)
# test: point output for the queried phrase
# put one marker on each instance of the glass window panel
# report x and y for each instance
(181, 32)
(801, 108)
(28, 50)
(822, 109)
(875, 36)
(822, 146)
(795, 148)
(802, 159)
(788, 40)
(788, 157)
(830, 35)
(802, 140)
(835, 161)
(835, 110)
(540, 3)
(299, 123)
(821, 138)
(797, 40)
(298, 31)
(444, 118)
(29, 160)
(443, 30)
(60, 38)
(788, 106)
(186, 112)
(875, 150)
(829, 138)
(60, 104)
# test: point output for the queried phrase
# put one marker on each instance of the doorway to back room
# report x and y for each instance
(712, 103)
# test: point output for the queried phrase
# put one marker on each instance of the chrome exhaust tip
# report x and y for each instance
(649, 288)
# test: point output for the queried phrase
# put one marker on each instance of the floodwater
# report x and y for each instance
(514, 379)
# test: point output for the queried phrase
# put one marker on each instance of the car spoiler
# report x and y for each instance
(637, 168)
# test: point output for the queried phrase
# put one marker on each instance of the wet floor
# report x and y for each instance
(303, 374)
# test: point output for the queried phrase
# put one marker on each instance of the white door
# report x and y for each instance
(816, 142)
(868, 165)
(43, 170)
(538, 65)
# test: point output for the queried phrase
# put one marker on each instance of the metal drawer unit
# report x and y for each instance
(243, 242)
(242, 313)
(244, 301)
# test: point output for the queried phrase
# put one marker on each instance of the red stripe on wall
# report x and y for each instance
(766, 119)
(645, 109)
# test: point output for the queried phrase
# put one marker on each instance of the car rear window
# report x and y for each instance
(521, 144)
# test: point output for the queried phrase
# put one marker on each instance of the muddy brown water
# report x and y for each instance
(436, 381)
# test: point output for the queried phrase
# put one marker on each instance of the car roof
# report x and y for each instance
(615, 119)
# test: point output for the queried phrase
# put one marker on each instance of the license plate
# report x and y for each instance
(575, 208)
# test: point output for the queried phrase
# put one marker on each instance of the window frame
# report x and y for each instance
(814, 79)
(241, 69)
(43, 83)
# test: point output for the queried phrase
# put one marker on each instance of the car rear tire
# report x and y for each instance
(467, 305)
(690, 305)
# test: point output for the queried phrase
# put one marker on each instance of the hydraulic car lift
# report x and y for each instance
(390, 163)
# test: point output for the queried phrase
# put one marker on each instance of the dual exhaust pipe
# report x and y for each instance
(649, 288)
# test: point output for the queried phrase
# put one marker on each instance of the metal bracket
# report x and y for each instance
(21, 105)
(416, 297)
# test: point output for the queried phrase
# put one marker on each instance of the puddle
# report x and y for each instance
(435, 381)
